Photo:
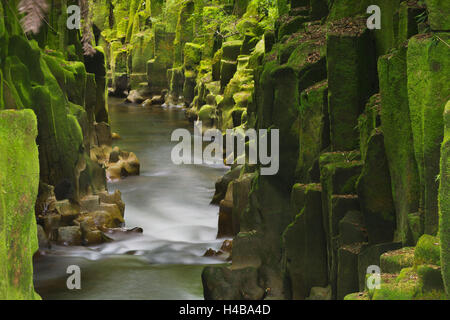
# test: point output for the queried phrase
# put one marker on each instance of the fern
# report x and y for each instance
(86, 39)
(34, 12)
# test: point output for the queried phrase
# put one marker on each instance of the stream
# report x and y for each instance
(170, 203)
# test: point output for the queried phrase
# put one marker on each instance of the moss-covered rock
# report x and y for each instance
(444, 201)
(396, 260)
(427, 60)
(184, 30)
(231, 50)
(436, 14)
(351, 79)
(347, 270)
(156, 75)
(304, 244)
(398, 140)
(192, 55)
(223, 283)
(375, 192)
(314, 133)
(19, 180)
(428, 250)
(369, 256)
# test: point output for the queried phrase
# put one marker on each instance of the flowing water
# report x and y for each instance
(171, 204)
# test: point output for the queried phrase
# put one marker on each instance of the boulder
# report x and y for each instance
(134, 97)
(396, 260)
(69, 236)
(223, 283)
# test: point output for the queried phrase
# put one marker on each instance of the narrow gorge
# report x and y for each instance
(349, 100)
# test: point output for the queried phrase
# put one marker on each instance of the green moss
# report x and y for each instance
(292, 25)
(398, 139)
(428, 250)
(430, 278)
(357, 296)
(192, 55)
(444, 201)
(427, 62)
(304, 244)
(407, 21)
(314, 135)
(437, 14)
(395, 261)
(231, 50)
(184, 30)
(375, 192)
(142, 50)
(403, 288)
(351, 80)
(207, 113)
(19, 180)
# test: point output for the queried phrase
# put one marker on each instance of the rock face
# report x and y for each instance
(444, 201)
(19, 181)
(362, 150)
(67, 93)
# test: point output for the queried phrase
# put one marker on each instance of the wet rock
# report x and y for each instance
(226, 214)
(69, 236)
(68, 211)
(115, 136)
(103, 133)
(92, 237)
(222, 184)
(241, 190)
(375, 192)
(320, 293)
(51, 224)
(352, 228)
(113, 198)
(211, 253)
(120, 85)
(43, 241)
(227, 246)
(114, 155)
(347, 271)
(134, 97)
(64, 190)
(223, 283)
(304, 243)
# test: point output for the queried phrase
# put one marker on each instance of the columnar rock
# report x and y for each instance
(304, 243)
(314, 135)
(444, 201)
(375, 192)
(427, 65)
(398, 140)
(19, 180)
(351, 69)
